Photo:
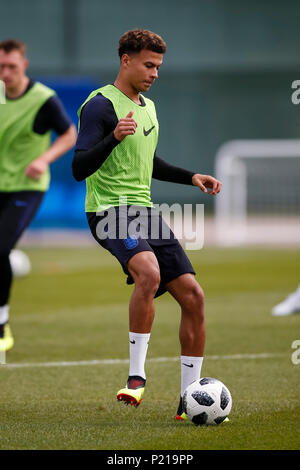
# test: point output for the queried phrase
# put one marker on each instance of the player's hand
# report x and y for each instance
(36, 169)
(205, 182)
(126, 126)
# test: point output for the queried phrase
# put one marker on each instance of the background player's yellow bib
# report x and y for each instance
(19, 144)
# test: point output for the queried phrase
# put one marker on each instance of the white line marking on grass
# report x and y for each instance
(97, 362)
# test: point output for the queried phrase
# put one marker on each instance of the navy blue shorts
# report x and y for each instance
(17, 210)
(155, 236)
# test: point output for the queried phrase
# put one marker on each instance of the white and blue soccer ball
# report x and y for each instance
(207, 401)
(20, 263)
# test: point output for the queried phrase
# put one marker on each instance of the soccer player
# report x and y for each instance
(116, 154)
(30, 112)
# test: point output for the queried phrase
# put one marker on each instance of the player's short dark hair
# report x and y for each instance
(9, 45)
(135, 40)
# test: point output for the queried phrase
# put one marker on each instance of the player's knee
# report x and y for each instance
(149, 280)
(145, 271)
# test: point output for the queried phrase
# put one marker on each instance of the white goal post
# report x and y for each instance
(260, 198)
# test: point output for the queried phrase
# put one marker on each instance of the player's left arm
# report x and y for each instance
(52, 116)
(163, 171)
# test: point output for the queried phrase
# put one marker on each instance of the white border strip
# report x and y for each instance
(97, 362)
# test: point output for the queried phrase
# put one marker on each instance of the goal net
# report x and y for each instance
(260, 198)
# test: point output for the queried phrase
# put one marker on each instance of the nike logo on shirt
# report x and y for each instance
(188, 365)
(148, 132)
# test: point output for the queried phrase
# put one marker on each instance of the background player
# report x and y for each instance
(114, 153)
(31, 111)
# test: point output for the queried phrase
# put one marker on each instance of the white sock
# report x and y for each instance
(138, 346)
(190, 370)
(4, 314)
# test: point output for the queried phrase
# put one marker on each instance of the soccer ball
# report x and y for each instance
(20, 263)
(207, 401)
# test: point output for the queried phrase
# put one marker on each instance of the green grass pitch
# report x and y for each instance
(73, 308)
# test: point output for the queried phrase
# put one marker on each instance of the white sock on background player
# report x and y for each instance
(138, 346)
(190, 370)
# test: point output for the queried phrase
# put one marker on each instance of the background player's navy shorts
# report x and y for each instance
(17, 210)
(170, 255)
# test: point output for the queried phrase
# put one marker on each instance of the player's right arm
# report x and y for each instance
(96, 138)
(100, 132)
